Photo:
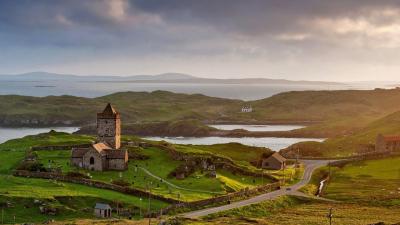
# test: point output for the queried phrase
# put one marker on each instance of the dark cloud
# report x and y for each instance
(275, 31)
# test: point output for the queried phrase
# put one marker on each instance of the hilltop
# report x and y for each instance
(330, 113)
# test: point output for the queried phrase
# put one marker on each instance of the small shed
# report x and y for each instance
(102, 210)
(275, 162)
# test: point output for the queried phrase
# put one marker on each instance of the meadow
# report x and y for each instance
(71, 200)
(302, 211)
(375, 182)
(195, 187)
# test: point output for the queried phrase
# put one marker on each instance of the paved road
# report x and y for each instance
(310, 166)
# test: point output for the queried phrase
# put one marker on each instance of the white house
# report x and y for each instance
(247, 109)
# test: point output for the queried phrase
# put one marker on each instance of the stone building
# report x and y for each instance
(275, 162)
(102, 210)
(387, 143)
(106, 153)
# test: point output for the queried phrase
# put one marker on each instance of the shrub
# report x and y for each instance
(121, 182)
(77, 175)
(32, 166)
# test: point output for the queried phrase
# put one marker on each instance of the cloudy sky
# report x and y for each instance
(303, 39)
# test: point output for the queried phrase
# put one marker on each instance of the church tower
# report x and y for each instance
(109, 127)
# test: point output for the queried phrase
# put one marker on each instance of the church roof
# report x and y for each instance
(102, 206)
(115, 154)
(79, 152)
(101, 146)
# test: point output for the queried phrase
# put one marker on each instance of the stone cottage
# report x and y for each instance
(106, 153)
(102, 210)
(275, 162)
(387, 143)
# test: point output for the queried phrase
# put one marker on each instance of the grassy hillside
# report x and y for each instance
(133, 106)
(302, 211)
(349, 144)
(196, 186)
(242, 154)
(338, 112)
(373, 182)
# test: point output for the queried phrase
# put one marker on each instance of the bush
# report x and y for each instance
(32, 166)
(77, 175)
(137, 154)
(121, 182)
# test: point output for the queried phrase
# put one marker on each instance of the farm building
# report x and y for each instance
(106, 153)
(102, 210)
(387, 143)
(275, 161)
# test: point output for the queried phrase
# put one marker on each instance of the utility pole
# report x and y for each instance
(330, 215)
(329, 165)
(262, 176)
(149, 212)
(140, 208)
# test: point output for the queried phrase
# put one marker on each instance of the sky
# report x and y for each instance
(341, 40)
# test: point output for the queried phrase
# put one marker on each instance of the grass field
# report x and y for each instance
(13, 151)
(160, 164)
(241, 154)
(374, 182)
(69, 198)
(300, 211)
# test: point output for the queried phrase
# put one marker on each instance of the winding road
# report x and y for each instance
(310, 166)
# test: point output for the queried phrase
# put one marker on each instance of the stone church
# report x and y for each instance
(106, 153)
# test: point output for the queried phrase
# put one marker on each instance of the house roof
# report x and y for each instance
(392, 138)
(79, 152)
(102, 206)
(115, 154)
(278, 157)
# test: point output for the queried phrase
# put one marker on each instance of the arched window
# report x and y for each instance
(91, 160)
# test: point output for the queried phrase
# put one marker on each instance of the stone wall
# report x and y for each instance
(59, 147)
(117, 164)
(93, 183)
(244, 193)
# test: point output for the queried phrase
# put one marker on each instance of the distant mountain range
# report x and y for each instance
(161, 78)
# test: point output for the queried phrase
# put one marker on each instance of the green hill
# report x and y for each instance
(133, 106)
(349, 144)
(331, 113)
